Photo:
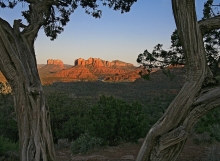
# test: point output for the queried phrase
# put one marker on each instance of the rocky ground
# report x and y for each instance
(129, 151)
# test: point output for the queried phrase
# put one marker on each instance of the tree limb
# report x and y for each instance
(209, 24)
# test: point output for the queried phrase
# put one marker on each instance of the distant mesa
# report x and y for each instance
(92, 69)
(53, 66)
(97, 62)
(55, 62)
(95, 69)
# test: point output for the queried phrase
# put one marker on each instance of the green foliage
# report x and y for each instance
(155, 109)
(114, 120)
(218, 78)
(146, 76)
(167, 73)
(175, 56)
(71, 117)
(7, 146)
(210, 124)
(155, 59)
(56, 14)
(84, 143)
(68, 116)
(8, 124)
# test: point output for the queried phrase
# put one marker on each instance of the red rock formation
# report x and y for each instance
(55, 62)
(97, 62)
(129, 76)
(77, 73)
(110, 71)
(53, 66)
(92, 69)
(2, 77)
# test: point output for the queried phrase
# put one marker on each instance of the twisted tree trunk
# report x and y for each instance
(199, 94)
(18, 65)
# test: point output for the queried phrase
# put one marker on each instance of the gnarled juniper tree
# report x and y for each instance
(18, 65)
(200, 93)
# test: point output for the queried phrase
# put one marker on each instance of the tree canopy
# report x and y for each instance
(160, 58)
(53, 15)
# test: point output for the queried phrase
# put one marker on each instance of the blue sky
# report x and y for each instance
(114, 36)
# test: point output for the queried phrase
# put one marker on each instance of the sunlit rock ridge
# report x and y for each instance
(97, 62)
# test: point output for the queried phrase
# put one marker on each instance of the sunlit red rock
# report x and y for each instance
(97, 62)
(93, 69)
(77, 72)
(53, 66)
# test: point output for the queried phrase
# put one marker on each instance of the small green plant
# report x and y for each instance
(8, 123)
(84, 143)
(218, 77)
(7, 146)
(146, 77)
(209, 125)
(168, 73)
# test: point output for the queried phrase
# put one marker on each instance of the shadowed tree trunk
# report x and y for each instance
(200, 93)
(18, 65)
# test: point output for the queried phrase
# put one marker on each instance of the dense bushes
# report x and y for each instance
(84, 143)
(107, 121)
(115, 121)
(7, 146)
(68, 116)
(8, 124)
(111, 119)
(209, 125)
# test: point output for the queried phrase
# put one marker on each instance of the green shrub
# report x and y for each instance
(68, 116)
(7, 146)
(168, 73)
(72, 117)
(218, 77)
(146, 77)
(8, 123)
(84, 143)
(210, 124)
(115, 121)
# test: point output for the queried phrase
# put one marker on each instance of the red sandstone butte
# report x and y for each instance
(97, 62)
(94, 69)
(53, 66)
(113, 71)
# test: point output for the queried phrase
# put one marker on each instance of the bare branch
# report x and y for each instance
(209, 24)
(207, 100)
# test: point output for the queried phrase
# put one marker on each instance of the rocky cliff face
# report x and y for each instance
(76, 73)
(96, 68)
(89, 70)
(52, 66)
(97, 62)
(54, 62)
